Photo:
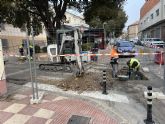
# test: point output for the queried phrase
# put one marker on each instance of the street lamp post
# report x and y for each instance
(104, 32)
(164, 66)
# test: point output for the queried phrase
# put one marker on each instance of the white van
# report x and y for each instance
(154, 42)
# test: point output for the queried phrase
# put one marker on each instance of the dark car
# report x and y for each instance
(139, 43)
(125, 48)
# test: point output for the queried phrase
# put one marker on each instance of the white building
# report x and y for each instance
(152, 19)
(75, 19)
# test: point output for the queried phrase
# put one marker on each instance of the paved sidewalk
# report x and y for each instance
(54, 109)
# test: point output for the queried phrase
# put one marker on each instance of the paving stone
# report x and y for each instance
(60, 98)
(4, 105)
(43, 113)
(49, 97)
(18, 119)
(19, 96)
(49, 121)
(4, 116)
(29, 110)
(36, 120)
(15, 108)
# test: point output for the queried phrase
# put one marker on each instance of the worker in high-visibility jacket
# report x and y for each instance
(21, 50)
(31, 51)
(114, 56)
(134, 64)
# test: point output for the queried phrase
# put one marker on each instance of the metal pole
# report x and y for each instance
(104, 33)
(30, 65)
(34, 63)
(104, 82)
(164, 62)
(149, 107)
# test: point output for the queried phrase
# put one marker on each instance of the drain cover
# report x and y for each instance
(75, 119)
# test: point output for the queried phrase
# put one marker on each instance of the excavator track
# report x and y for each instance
(54, 67)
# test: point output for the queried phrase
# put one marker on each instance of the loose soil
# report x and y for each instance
(90, 81)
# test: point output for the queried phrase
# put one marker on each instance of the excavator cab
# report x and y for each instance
(66, 53)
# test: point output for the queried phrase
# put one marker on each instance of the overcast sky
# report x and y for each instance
(132, 8)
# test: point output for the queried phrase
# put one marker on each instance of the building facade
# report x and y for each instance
(13, 37)
(132, 31)
(152, 19)
(75, 19)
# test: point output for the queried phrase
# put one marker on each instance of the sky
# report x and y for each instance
(132, 9)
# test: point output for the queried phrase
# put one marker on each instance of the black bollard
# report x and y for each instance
(149, 107)
(104, 83)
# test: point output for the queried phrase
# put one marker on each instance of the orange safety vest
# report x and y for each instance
(114, 53)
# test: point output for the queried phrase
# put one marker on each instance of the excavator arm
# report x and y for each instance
(76, 39)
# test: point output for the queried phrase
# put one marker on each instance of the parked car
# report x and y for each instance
(134, 41)
(139, 42)
(144, 41)
(155, 42)
(125, 47)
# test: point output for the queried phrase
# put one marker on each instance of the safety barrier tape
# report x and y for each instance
(125, 54)
(153, 46)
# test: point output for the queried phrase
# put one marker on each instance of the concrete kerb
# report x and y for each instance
(95, 94)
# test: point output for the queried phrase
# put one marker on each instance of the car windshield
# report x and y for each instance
(125, 44)
(156, 40)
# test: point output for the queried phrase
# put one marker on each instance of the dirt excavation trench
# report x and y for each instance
(90, 81)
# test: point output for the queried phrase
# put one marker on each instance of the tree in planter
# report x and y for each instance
(50, 13)
(110, 12)
(37, 49)
(47, 13)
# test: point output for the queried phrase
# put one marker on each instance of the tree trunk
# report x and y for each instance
(51, 35)
(51, 32)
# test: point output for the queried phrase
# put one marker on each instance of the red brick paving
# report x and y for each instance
(63, 109)
(4, 105)
(27, 92)
(24, 101)
(28, 110)
(36, 120)
(4, 116)
(67, 108)
(49, 97)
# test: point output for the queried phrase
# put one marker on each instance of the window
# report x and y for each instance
(157, 33)
(152, 16)
(157, 12)
(148, 19)
(2, 26)
(5, 44)
(164, 10)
